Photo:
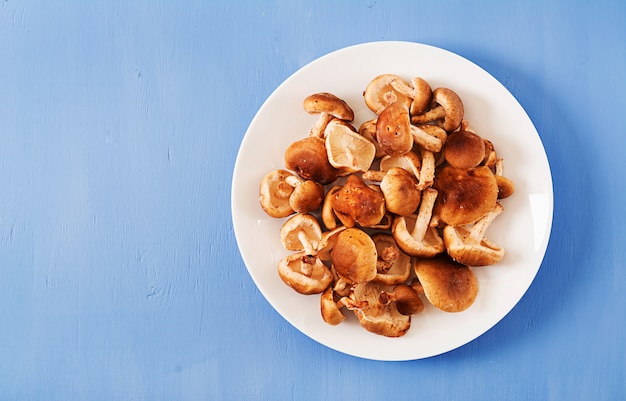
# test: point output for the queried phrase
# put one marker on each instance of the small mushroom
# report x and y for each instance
(470, 246)
(328, 106)
(330, 307)
(448, 110)
(448, 285)
(274, 194)
(357, 203)
(414, 234)
(354, 256)
(375, 316)
(393, 266)
(393, 131)
(464, 149)
(401, 192)
(309, 159)
(396, 134)
(406, 298)
(307, 195)
(399, 187)
(419, 92)
(304, 273)
(347, 150)
(465, 194)
(380, 93)
(301, 232)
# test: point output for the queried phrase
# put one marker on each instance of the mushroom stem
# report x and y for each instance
(342, 302)
(306, 267)
(320, 125)
(422, 223)
(427, 171)
(306, 243)
(433, 114)
(374, 175)
(477, 232)
(293, 181)
(426, 140)
(341, 286)
(283, 189)
(402, 87)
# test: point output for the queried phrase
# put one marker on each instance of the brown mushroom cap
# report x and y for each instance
(354, 256)
(308, 158)
(401, 192)
(393, 129)
(464, 149)
(448, 285)
(274, 194)
(325, 102)
(375, 316)
(307, 195)
(505, 187)
(304, 273)
(357, 203)
(328, 107)
(465, 195)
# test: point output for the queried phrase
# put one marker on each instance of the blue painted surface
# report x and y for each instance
(120, 277)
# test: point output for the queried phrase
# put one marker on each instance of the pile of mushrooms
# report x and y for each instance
(384, 217)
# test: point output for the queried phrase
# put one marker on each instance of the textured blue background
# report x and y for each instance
(120, 122)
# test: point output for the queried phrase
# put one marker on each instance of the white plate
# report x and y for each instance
(523, 229)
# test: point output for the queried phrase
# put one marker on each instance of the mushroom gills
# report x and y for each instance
(375, 316)
(304, 273)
